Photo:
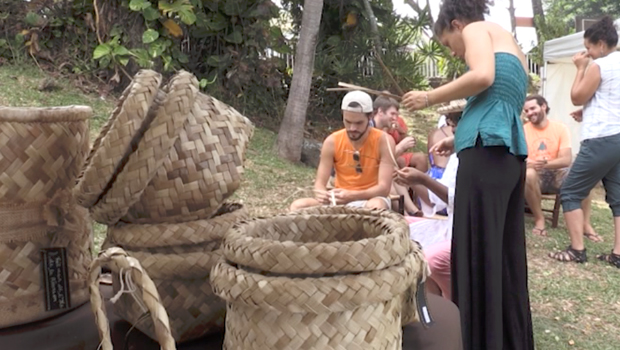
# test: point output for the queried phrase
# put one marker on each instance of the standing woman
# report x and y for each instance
(489, 265)
(597, 88)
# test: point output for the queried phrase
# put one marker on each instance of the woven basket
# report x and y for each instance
(360, 311)
(203, 169)
(319, 240)
(117, 137)
(180, 272)
(41, 151)
(151, 150)
(353, 290)
(24, 231)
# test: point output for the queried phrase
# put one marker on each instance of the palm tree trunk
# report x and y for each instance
(291, 133)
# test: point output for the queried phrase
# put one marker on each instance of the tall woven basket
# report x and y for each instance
(329, 278)
(178, 257)
(41, 152)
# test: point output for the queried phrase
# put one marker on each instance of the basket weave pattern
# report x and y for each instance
(203, 168)
(165, 155)
(151, 150)
(41, 151)
(295, 298)
(179, 260)
(116, 137)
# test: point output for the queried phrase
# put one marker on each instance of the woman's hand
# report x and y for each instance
(415, 100)
(408, 177)
(577, 115)
(581, 60)
(444, 147)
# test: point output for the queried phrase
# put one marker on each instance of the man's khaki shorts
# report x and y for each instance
(361, 204)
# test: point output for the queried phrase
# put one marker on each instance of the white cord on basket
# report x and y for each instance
(125, 275)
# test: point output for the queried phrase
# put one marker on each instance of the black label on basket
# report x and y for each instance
(55, 278)
(425, 315)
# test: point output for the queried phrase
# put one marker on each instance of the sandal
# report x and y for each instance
(539, 232)
(593, 237)
(570, 255)
(612, 258)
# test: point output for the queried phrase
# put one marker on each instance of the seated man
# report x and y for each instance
(548, 160)
(360, 156)
(387, 119)
(434, 235)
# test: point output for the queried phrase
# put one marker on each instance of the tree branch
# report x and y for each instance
(377, 45)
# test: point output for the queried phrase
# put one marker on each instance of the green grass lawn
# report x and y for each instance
(574, 306)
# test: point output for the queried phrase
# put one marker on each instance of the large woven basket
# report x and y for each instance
(24, 231)
(335, 277)
(178, 257)
(41, 151)
(203, 168)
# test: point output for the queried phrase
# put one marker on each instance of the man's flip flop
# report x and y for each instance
(539, 231)
(593, 237)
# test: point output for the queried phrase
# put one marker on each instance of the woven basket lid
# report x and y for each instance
(114, 143)
(203, 169)
(133, 176)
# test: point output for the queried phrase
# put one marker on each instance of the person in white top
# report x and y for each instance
(434, 235)
(597, 89)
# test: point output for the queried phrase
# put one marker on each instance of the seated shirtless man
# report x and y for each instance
(360, 156)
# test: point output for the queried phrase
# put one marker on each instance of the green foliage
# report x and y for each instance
(560, 18)
(222, 42)
(345, 51)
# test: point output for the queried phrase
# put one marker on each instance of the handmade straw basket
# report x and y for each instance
(114, 143)
(152, 146)
(329, 278)
(166, 155)
(41, 151)
(178, 257)
(203, 168)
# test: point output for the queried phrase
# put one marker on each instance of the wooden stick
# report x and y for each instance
(370, 91)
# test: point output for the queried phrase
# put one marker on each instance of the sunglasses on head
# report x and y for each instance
(356, 158)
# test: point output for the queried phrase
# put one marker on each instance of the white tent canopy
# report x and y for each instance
(558, 77)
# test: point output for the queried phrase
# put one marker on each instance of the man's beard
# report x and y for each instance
(359, 136)
(538, 119)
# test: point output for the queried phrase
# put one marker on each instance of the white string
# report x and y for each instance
(125, 275)
(122, 290)
(333, 198)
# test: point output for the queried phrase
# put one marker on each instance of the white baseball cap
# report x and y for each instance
(362, 99)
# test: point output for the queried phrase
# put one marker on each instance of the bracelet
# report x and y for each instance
(426, 99)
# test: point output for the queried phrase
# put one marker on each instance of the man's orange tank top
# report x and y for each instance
(346, 176)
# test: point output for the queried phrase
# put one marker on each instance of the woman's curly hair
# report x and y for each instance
(604, 30)
(464, 10)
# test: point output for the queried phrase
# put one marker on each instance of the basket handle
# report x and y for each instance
(116, 258)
